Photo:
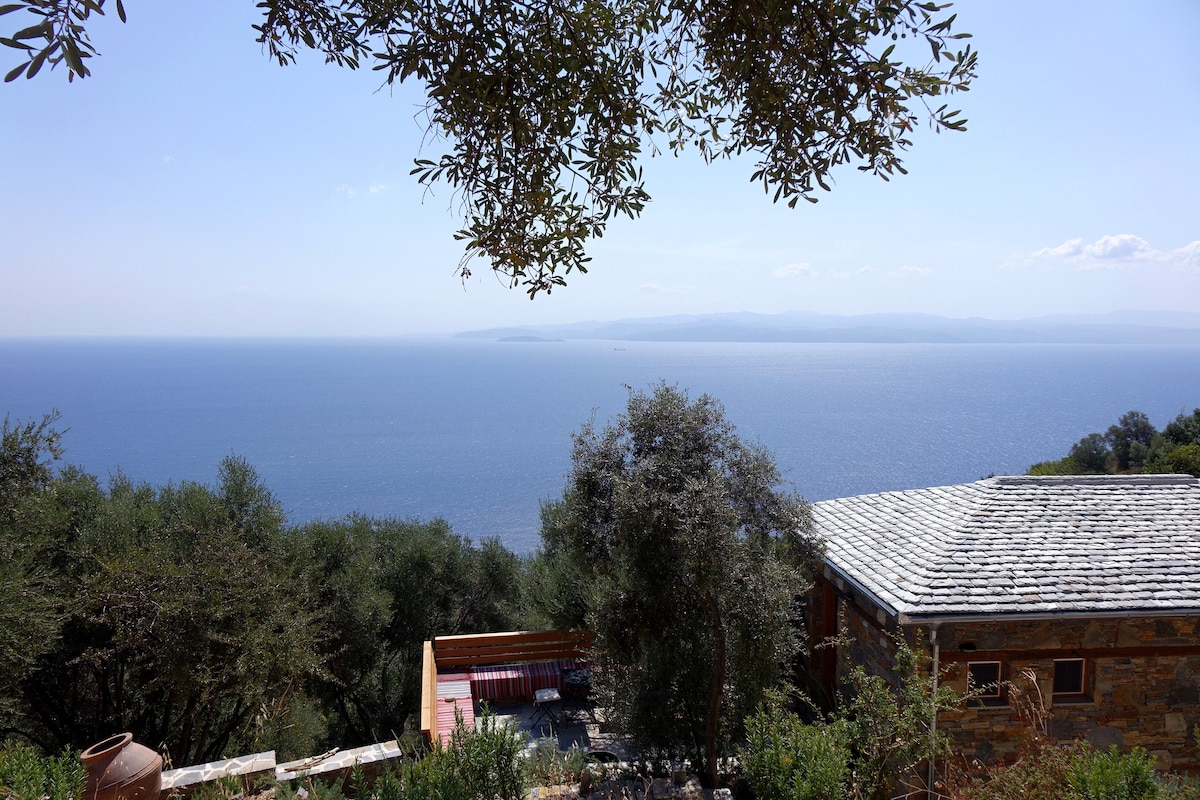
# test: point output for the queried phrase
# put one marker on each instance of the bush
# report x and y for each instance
(786, 759)
(874, 746)
(550, 765)
(25, 774)
(481, 763)
(1039, 774)
(1111, 775)
(1180, 788)
(1076, 771)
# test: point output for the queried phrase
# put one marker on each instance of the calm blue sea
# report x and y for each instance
(479, 433)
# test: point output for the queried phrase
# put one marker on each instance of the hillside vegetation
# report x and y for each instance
(197, 618)
(1133, 445)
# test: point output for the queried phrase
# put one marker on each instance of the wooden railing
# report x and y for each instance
(454, 653)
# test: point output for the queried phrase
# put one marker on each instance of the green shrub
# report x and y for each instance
(480, 763)
(786, 759)
(433, 778)
(550, 765)
(1178, 787)
(387, 787)
(1111, 775)
(875, 745)
(1039, 774)
(26, 774)
(488, 759)
(1076, 771)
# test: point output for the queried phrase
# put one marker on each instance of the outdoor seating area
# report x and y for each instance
(545, 670)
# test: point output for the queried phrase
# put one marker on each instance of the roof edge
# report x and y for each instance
(882, 604)
(1042, 616)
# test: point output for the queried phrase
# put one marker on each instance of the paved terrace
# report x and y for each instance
(539, 680)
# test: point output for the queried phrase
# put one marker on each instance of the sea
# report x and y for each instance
(479, 432)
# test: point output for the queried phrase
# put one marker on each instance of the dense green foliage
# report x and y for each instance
(27, 774)
(29, 613)
(869, 748)
(546, 108)
(1133, 445)
(196, 618)
(1112, 775)
(480, 763)
(688, 560)
(877, 745)
(383, 587)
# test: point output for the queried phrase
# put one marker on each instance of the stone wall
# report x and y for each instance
(1142, 686)
(866, 637)
(1142, 682)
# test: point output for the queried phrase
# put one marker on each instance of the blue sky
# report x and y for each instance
(193, 187)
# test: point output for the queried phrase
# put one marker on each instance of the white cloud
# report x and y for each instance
(788, 270)
(1188, 256)
(347, 190)
(1071, 247)
(375, 188)
(1121, 247)
(1119, 250)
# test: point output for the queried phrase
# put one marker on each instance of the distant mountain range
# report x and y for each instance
(1121, 327)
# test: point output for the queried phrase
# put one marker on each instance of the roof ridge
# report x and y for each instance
(1155, 479)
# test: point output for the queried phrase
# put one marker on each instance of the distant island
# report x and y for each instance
(1121, 327)
(527, 338)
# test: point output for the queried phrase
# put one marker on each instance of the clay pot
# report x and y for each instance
(120, 769)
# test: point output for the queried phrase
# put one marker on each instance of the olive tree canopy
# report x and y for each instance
(546, 106)
(690, 560)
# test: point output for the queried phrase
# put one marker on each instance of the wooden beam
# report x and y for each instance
(511, 647)
(429, 694)
(1140, 651)
(506, 638)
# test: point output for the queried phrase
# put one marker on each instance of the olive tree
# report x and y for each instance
(1130, 440)
(691, 559)
(384, 587)
(547, 106)
(30, 614)
(176, 625)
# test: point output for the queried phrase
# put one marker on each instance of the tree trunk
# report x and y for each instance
(716, 691)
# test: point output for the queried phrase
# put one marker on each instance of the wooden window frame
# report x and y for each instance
(997, 697)
(1082, 695)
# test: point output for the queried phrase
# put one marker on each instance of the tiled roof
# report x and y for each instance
(1022, 545)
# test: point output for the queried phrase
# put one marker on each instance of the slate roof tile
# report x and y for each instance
(1022, 544)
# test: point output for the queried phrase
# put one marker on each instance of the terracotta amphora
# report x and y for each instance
(120, 769)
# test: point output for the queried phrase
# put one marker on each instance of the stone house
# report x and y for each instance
(1083, 589)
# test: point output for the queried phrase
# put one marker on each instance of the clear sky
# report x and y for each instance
(193, 187)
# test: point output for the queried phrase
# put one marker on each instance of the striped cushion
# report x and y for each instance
(452, 696)
(515, 680)
(447, 718)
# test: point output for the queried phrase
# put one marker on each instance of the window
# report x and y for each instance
(1070, 678)
(983, 678)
